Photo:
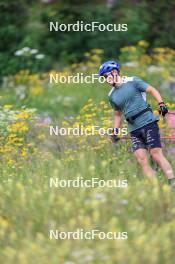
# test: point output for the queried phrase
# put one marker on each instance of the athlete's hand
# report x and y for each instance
(114, 137)
(163, 110)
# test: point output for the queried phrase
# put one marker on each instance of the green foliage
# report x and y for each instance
(74, 44)
(152, 21)
(161, 23)
(13, 17)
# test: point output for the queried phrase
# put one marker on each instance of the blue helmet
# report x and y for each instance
(108, 66)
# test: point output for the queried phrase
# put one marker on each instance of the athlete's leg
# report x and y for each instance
(158, 156)
(141, 156)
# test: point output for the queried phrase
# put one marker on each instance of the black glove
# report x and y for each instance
(163, 110)
(114, 137)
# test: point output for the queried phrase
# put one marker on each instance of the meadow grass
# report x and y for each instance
(29, 208)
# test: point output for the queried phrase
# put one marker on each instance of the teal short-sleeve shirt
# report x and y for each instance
(130, 99)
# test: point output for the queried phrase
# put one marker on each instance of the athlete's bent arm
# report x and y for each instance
(117, 119)
(154, 93)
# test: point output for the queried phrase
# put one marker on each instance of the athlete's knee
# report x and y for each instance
(142, 159)
(156, 153)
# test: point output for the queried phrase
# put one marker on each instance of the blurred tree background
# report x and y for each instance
(25, 23)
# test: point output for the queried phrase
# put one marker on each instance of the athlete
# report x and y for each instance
(128, 97)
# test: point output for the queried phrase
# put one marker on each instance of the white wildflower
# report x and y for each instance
(26, 49)
(18, 53)
(40, 56)
(33, 51)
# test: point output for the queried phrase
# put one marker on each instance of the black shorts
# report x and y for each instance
(146, 137)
